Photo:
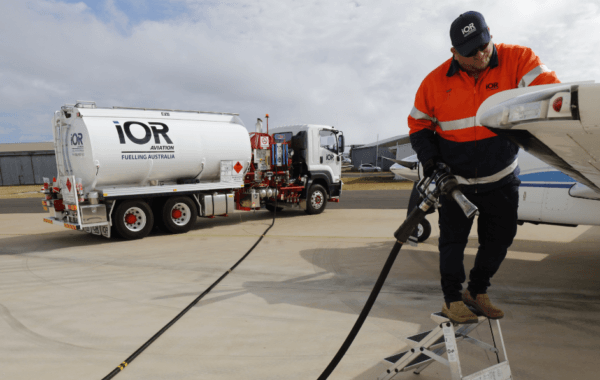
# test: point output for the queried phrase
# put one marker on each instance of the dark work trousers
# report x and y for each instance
(496, 228)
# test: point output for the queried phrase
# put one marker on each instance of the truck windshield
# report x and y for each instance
(283, 137)
(329, 141)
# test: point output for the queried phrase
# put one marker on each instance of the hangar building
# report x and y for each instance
(26, 163)
(397, 147)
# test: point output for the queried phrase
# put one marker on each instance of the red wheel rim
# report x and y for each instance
(130, 219)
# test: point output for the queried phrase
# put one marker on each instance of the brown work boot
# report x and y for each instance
(482, 304)
(459, 313)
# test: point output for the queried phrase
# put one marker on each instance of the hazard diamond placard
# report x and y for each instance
(238, 167)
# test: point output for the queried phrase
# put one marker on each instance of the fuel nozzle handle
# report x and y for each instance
(448, 184)
(468, 208)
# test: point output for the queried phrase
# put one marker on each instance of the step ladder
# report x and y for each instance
(427, 347)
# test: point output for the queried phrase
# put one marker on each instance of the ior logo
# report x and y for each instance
(492, 86)
(468, 29)
(76, 139)
(329, 157)
(141, 133)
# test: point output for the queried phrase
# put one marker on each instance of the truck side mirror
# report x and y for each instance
(341, 144)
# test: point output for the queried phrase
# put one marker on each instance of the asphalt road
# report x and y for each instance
(357, 199)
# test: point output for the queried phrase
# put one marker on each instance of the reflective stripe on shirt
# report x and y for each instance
(489, 179)
(530, 76)
(457, 124)
(416, 114)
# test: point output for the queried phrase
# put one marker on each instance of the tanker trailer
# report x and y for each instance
(123, 171)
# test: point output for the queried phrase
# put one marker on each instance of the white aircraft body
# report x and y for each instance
(558, 128)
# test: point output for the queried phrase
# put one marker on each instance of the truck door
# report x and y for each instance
(329, 155)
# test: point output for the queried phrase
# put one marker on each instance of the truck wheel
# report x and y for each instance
(179, 214)
(423, 230)
(316, 200)
(133, 220)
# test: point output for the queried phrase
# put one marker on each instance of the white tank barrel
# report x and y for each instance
(116, 147)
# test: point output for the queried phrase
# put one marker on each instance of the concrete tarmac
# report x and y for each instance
(74, 306)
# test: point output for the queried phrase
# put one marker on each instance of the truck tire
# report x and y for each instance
(133, 219)
(178, 215)
(316, 200)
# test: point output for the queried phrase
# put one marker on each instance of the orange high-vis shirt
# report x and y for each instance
(442, 121)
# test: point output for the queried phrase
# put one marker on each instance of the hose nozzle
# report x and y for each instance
(468, 208)
(448, 184)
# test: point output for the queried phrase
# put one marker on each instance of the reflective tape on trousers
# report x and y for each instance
(489, 179)
(530, 76)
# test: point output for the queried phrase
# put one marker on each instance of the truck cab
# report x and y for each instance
(317, 158)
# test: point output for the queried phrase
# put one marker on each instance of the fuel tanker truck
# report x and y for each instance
(122, 171)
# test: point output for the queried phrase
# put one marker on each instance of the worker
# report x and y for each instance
(443, 130)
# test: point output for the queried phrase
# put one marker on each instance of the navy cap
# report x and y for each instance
(468, 32)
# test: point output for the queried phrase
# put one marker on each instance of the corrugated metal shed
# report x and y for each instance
(26, 163)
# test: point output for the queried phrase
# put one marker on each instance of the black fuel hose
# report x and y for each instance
(401, 235)
(128, 361)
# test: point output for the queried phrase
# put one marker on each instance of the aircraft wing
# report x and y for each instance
(557, 123)
(407, 164)
(407, 168)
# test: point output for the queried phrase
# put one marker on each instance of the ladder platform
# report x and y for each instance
(439, 317)
(473, 310)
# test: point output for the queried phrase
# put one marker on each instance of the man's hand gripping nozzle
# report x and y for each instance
(443, 183)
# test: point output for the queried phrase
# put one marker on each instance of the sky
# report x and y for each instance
(355, 65)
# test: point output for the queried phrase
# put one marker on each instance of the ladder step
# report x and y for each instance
(420, 336)
(419, 360)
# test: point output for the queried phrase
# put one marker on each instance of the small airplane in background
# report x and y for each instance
(558, 128)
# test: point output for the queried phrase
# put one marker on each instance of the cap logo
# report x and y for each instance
(469, 29)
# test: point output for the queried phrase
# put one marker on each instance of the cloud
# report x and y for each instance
(352, 64)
